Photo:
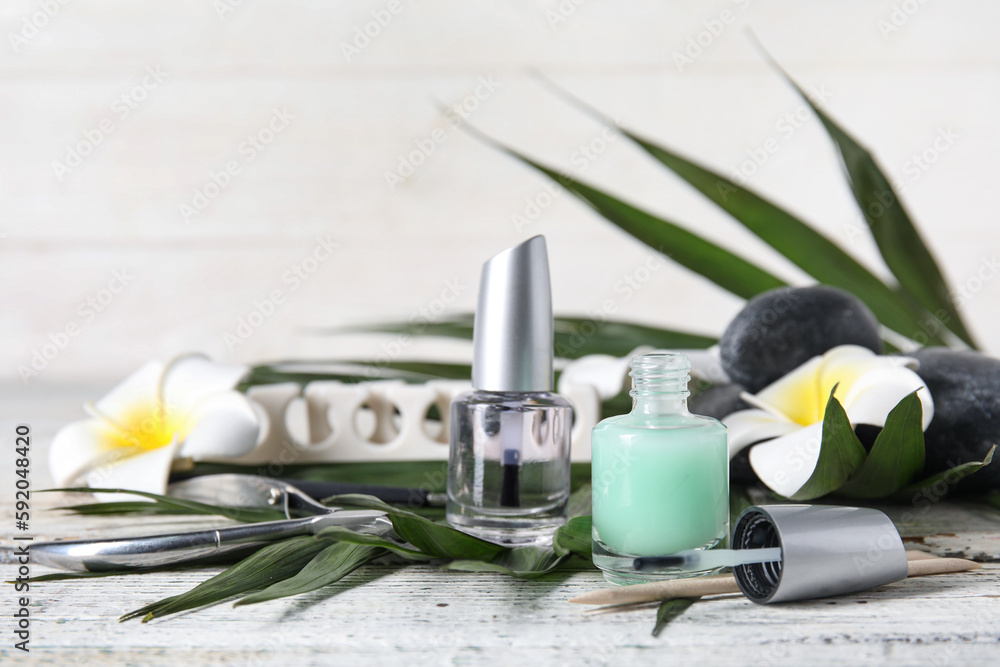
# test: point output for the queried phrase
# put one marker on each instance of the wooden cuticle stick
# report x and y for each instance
(919, 564)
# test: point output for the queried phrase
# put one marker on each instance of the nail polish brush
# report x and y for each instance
(510, 439)
(706, 559)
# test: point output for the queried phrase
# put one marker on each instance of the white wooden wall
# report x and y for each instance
(162, 95)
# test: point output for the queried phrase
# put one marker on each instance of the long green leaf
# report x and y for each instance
(522, 562)
(948, 478)
(273, 563)
(725, 269)
(429, 537)
(144, 508)
(722, 267)
(808, 249)
(580, 501)
(328, 566)
(896, 457)
(304, 372)
(840, 454)
(669, 610)
(168, 503)
(429, 475)
(574, 537)
(62, 576)
(349, 536)
(898, 240)
(574, 337)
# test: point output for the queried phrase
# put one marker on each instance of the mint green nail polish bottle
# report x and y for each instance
(660, 475)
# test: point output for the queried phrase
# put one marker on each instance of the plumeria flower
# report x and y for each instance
(185, 409)
(787, 416)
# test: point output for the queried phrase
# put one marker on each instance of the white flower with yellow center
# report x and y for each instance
(183, 409)
(787, 415)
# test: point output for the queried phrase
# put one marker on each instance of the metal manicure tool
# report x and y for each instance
(229, 490)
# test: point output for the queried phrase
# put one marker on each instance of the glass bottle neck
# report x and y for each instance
(659, 384)
(659, 404)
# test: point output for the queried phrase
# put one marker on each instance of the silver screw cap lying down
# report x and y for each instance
(825, 550)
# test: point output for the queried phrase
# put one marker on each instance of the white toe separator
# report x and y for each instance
(387, 420)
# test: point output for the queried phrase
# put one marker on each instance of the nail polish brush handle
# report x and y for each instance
(707, 559)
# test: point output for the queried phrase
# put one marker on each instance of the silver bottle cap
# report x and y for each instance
(825, 550)
(512, 333)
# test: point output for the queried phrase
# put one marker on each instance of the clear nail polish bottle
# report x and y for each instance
(508, 468)
(660, 475)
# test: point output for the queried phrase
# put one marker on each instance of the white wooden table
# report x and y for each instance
(421, 616)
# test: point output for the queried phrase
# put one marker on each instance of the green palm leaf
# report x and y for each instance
(669, 610)
(727, 270)
(805, 247)
(304, 372)
(840, 454)
(896, 457)
(327, 567)
(275, 562)
(574, 336)
(898, 240)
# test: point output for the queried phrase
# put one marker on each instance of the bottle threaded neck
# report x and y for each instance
(660, 378)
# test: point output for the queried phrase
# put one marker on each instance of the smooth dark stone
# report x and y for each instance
(782, 329)
(867, 434)
(719, 401)
(739, 468)
(965, 387)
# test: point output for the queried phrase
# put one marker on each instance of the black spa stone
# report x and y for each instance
(719, 401)
(965, 387)
(780, 330)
